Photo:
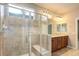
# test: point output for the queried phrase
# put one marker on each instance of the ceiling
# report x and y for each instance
(60, 8)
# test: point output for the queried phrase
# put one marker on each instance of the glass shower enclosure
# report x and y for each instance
(24, 33)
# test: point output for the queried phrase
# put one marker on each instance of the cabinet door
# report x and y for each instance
(54, 44)
(59, 42)
(64, 41)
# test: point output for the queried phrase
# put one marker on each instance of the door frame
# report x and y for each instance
(76, 29)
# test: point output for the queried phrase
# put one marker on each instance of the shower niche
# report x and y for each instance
(24, 34)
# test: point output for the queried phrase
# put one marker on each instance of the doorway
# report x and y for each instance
(78, 32)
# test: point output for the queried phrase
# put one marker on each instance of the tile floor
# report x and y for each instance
(66, 52)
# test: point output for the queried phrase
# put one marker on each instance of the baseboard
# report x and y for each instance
(71, 47)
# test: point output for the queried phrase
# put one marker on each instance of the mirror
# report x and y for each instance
(50, 29)
(62, 27)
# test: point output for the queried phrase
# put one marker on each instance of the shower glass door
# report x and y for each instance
(0, 30)
(15, 28)
(44, 36)
(35, 34)
(23, 33)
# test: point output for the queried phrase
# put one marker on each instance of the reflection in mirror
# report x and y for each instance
(50, 29)
(62, 27)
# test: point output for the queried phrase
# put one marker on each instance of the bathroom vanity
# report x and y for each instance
(59, 42)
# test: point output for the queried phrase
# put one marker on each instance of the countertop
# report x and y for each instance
(58, 35)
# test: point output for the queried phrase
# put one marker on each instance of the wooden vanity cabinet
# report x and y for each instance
(59, 43)
(64, 41)
(54, 44)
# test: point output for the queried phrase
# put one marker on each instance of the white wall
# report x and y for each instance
(71, 19)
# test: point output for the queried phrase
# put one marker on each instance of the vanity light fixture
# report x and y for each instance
(58, 18)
